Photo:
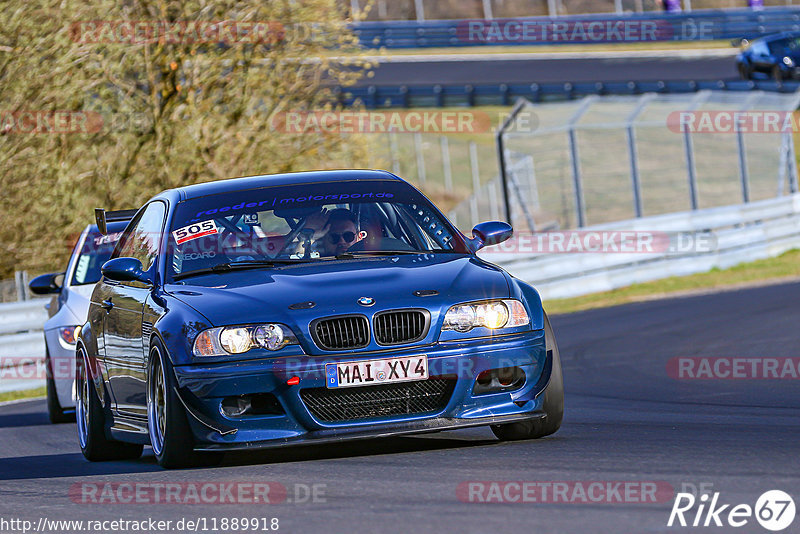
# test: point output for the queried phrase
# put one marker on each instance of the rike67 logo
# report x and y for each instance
(774, 510)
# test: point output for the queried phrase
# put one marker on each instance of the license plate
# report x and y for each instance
(373, 372)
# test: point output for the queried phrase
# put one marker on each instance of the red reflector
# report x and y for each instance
(293, 381)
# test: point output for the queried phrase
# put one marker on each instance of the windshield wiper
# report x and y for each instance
(236, 265)
(365, 253)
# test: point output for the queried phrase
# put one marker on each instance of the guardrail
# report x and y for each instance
(442, 95)
(740, 233)
(21, 342)
(692, 26)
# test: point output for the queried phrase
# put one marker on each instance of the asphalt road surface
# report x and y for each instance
(627, 419)
(557, 70)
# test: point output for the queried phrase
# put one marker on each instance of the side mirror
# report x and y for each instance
(124, 270)
(491, 233)
(46, 284)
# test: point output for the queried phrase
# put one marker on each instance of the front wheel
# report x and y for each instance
(744, 72)
(170, 435)
(553, 403)
(95, 445)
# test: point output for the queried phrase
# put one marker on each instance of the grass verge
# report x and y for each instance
(783, 267)
(24, 394)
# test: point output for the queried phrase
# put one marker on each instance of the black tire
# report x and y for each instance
(744, 72)
(170, 434)
(55, 412)
(777, 74)
(95, 445)
(553, 400)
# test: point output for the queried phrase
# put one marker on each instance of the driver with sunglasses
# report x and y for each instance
(342, 230)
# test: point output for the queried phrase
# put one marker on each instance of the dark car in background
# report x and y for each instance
(776, 56)
(71, 291)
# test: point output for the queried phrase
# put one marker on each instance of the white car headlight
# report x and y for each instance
(240, 339)
(495, 314)
(235, 340)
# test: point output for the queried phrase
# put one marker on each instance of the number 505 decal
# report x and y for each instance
(193, 231)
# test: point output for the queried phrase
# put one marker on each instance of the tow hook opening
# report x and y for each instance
(499, 380)
(247, 405)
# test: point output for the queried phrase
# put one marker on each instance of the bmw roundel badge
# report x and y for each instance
(366, 301)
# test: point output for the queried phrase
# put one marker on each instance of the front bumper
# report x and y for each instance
(203, 387)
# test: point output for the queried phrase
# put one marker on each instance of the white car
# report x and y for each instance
(71, 292)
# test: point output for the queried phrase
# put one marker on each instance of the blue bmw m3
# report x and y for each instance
(306, 308)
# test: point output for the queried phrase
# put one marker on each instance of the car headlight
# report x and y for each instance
(789, 62)
(240, 339)
(495, 314)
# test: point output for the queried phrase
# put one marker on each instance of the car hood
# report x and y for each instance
(264, 295)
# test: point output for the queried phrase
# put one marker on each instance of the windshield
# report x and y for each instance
(95, 251)
(308, 222)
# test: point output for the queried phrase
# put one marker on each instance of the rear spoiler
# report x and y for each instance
(102, 217)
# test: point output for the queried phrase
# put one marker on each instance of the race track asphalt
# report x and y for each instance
(552, 70)
(627, 419)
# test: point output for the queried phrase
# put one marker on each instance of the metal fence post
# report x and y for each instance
(635, 179)
(501, 160)
(487, 9)
(419, 8)
(690, 168)
(787, 170)
(448, 174)
(743, 176)
(580, 206)
(19, 282)
(633, 154)
(580, 209)
(420, 158)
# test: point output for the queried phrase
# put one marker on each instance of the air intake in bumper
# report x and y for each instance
(386, 400)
